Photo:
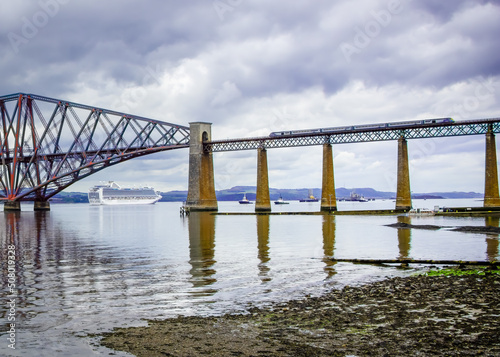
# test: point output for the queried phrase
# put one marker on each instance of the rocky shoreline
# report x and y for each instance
(414, 316)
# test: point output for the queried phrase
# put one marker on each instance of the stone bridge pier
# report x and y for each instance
(403, 192)
(201, 191)
(201, 187)
(491, 199)
(12, 206)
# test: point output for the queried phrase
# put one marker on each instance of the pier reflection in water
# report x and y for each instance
(492, 244)
(328, 229)
(202, 251)
(83, 270)
(404, 238)
(263, 246)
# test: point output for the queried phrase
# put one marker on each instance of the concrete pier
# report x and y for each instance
(328, 199)
(12, 206)
(491, 198)
(41, 206)
(262, 199)
(403, 194)
(201, 188)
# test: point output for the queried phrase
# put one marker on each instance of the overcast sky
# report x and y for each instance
(253, 66)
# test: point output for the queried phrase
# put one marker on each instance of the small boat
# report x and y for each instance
(244, 200)
(280, 201)
(310, 199)
(355, 197)
(421, 212)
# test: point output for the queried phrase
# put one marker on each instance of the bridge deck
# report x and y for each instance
(459, 128)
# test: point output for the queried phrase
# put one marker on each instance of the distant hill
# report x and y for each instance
(70, 197)
(456, 194)
(236, 193)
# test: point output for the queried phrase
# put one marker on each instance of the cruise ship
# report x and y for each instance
(111, 193)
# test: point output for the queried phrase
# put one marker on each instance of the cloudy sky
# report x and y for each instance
(252, 66)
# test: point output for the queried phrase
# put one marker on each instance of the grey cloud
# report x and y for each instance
(188, 61)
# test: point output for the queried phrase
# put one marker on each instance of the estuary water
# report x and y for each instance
(81, 270)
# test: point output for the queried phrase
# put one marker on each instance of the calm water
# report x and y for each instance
(84, 269)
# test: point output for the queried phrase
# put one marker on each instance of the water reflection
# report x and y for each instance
(10, 230)
(492, 241)
(82, 270)
(202, 251)
(404, 238)
(328, 229)
(23, 231)
(263, 246)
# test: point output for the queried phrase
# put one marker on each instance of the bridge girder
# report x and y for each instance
(43, 154)
(459, 128)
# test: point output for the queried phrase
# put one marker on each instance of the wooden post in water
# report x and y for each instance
(491, 198)
(328, 199)
(262, 199)
(403, 195)
(201, 189)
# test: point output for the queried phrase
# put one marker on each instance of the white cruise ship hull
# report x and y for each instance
(125, 202)
(111, 194)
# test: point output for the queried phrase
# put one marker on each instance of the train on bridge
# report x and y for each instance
(341, 129)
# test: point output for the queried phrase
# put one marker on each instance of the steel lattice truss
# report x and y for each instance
(466, 127)
(48, 144)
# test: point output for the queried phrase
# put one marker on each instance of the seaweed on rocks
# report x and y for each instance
(418, 315)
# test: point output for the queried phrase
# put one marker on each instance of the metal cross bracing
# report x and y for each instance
(48, 144)
(458, 128)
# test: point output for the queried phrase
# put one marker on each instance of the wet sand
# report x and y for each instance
(414, 316)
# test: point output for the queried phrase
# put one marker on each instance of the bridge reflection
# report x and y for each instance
(328, 229)
(45, 248)
(202, 233)
(202, 251)
(492, 242)
(404, 238)
(263, 247)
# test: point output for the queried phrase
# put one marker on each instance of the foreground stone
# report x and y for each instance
(415, 316)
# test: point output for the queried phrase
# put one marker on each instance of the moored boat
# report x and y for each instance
(281, 201)
(244, 200)
(311, 198)
(355, 197)
(421, 212)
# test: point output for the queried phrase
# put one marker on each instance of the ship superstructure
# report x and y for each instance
(110, 193)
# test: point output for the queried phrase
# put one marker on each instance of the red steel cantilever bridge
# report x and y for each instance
(48, 144)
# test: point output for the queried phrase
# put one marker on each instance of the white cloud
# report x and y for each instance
(228, 93)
